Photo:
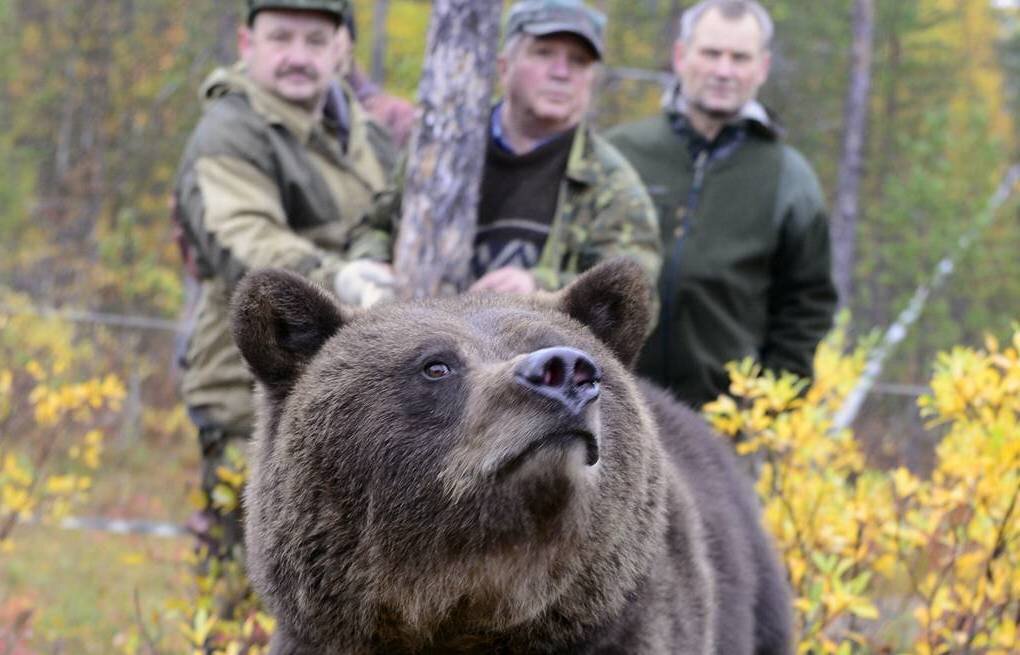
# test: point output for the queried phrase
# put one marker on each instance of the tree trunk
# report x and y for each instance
(670, 31)
(379, 14)
(855, 118)
(447, 150)
(225, 47)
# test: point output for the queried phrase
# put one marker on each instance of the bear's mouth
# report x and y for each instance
(562, 439)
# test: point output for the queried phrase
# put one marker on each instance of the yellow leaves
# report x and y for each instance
(133, 559)
(42, 356)
(61, 484)
(224, 498)
(904, 483)
(16, 501)
(14, 472)
(946, 545)
(201, 627)
(90, 450)
(233, 478)
(53, 404)
(35, 370)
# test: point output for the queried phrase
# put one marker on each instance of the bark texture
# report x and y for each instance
(447, 150)
(855, 118)
(379, 41)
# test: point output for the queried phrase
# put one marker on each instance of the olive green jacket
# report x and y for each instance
(747, 253)
(603, 211)
(264, 183)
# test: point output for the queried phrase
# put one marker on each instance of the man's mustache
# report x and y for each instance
(298, 70)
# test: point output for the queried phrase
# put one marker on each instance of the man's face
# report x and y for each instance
(723, 65)
(294, 54)
(548, 79)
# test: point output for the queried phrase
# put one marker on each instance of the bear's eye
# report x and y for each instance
(436, 370)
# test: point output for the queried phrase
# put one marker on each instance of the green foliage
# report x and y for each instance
(94, 111)
(406, 33)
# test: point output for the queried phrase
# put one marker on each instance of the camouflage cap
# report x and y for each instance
(541, 17)
(339, 8)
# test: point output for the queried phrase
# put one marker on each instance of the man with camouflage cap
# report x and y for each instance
(555, 197)
(279, 171)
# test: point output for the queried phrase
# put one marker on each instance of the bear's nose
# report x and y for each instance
(567, 375)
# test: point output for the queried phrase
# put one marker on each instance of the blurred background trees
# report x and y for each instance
(97, 98)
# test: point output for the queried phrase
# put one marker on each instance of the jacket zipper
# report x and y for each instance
(673, 263)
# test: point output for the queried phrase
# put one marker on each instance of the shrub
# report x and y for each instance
(882, 560)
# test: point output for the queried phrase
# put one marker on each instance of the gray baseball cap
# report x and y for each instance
(339, 8)
(542, 17)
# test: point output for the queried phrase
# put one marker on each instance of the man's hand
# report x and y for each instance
(363, 283)
(506, 280)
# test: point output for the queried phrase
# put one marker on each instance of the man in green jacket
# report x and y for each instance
(743, 221)
(555, 197)
(279, 172)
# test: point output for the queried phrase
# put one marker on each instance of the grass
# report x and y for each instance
(82, 586)
(85, 588)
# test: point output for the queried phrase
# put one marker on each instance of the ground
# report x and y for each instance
(85, 588)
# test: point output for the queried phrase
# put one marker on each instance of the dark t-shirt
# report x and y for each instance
(518, 202)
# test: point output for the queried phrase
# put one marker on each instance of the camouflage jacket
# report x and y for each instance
(264, 183)
(603, 211)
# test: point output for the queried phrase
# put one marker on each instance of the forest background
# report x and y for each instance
(98, 97)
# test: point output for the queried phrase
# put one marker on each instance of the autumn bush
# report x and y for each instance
(886, 561)
(880, 560)
(53, 418)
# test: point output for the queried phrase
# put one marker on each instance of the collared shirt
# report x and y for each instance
(496, 130)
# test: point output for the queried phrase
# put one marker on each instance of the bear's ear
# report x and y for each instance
(614, 299)
(280, 321)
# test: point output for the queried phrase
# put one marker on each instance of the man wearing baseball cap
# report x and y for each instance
(555, 198)
(278, 172)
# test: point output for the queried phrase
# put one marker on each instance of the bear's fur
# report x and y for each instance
(482, 474)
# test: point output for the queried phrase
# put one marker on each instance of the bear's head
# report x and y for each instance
(452, 468)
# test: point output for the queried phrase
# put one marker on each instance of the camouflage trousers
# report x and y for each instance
(219, 525)
(222, 468)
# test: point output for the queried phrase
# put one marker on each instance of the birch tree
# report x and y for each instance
(447, 149)
(380, 13)
(855, 121)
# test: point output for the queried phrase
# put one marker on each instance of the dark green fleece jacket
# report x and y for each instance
(746, 245)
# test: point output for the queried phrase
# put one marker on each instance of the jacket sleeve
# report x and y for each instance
(383, 217)
(235, 212)
(623, 224)
(802, 296)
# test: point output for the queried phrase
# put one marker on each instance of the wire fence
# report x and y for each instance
(868, 384)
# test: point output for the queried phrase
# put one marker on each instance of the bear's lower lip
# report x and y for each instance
(564, 440)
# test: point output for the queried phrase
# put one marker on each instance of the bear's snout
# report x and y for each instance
(565, 375)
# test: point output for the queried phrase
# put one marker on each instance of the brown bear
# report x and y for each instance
(483, 474)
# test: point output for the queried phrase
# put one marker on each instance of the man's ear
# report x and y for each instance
(243, 41)
(766, 66)
(679, 52)
(280, 322)
(614, 299)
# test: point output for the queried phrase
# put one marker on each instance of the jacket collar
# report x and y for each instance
(296, 119)
(753, 116)
(582, 164)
